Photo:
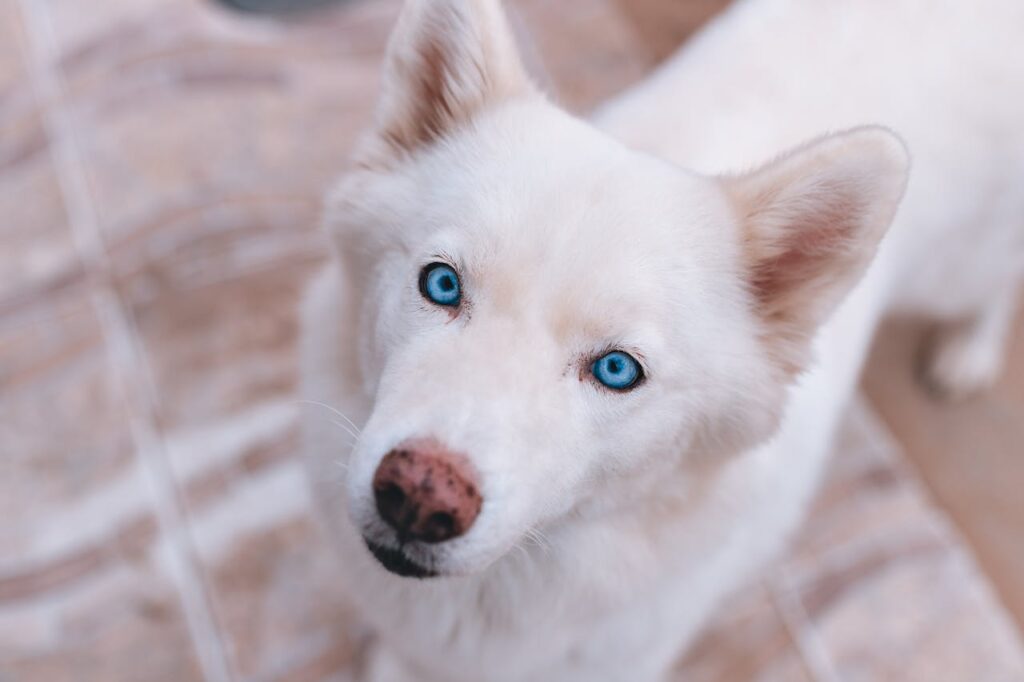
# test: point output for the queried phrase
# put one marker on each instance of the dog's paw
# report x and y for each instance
(958, 365)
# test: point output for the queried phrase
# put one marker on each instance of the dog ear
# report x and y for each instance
(812, 221)
(447, 61)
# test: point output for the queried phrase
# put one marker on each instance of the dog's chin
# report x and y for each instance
(395, 561)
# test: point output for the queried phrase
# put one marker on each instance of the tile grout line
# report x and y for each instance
(123, 348)
(815, 657)
(941, 523)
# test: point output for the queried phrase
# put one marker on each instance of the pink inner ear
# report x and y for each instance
(450, 60)
(430, 113)
(813, 220)
(787, 271)
(798, 268)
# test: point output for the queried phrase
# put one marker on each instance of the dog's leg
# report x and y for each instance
(966, 358)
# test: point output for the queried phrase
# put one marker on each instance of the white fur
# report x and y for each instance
(613, 523)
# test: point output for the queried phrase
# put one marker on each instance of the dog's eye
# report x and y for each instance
(440, 284)
(617, 370)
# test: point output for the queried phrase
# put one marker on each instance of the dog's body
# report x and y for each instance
(630, 551)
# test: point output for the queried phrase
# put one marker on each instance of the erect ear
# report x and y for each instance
(813, 220)
(447, 61)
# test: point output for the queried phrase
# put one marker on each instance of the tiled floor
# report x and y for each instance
(161, 163)
(970, 454)
(878, 586)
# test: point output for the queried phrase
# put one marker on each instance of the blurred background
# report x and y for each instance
(161, 168)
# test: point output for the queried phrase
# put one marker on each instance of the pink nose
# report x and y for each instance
(426, 493)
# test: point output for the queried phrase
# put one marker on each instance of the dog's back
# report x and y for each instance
(948, 77)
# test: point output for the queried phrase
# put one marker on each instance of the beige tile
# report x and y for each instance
(273, 583)
(204, 150)
(911, 611)
(666, 25)
(867, 496)
(39, 252)
(64, 427)
(232, 113)
(223, 358)
(208, 243)
(749, 642)
(82, 594)
(135, 38)
(968, 453)
(278, 597)
(876, 587)
(81, 30)
(886, 590)
(121, 625)
(588, 50)
(224, 349)
(15, 90)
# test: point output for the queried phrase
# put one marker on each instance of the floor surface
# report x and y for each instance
(161, 167)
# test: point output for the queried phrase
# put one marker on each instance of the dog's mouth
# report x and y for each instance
(395, 561)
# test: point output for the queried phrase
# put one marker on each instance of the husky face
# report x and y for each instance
(552, 325)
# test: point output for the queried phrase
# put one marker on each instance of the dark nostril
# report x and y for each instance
(391, 500)
(439, 526)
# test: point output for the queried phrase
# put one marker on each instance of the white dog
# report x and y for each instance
(595, 390)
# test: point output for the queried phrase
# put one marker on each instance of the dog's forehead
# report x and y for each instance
(547, 215)
(570, 223)
(555, 186)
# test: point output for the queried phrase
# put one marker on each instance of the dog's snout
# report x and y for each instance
(426, 493)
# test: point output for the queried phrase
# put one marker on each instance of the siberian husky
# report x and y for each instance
(594, 366)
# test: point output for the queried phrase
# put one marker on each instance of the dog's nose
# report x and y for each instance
(426, 493)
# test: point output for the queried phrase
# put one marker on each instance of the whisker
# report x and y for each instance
(526, 553)
(346, 429)
(539, 539)
(340, 474)
(335, 410)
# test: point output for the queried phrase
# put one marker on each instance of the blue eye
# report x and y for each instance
(440, 283)
(617, 370)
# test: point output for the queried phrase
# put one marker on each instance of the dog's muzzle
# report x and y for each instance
(425, 494)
